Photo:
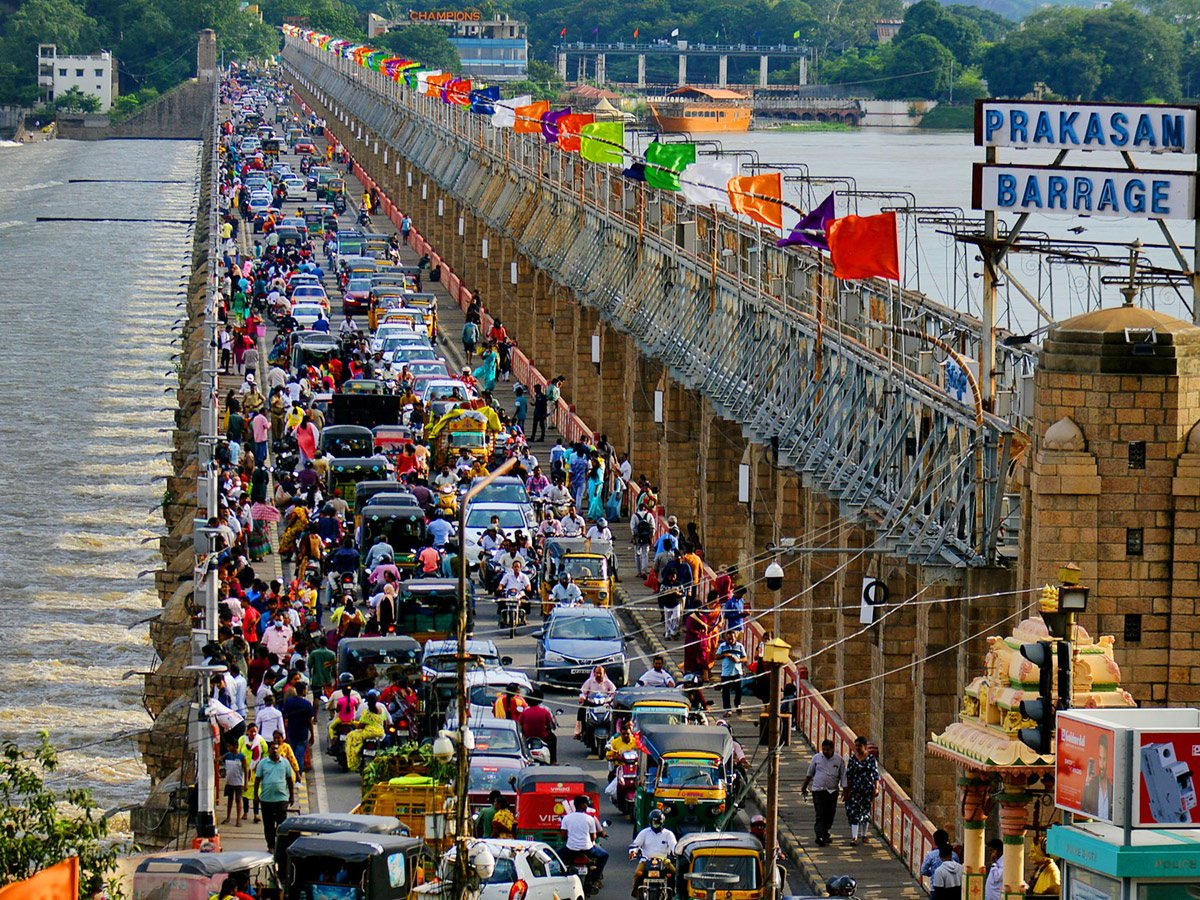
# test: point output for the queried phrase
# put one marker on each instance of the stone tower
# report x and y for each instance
(206, 56)
(1114, 485)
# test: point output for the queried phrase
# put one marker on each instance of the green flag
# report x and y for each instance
(664, 162)
(796, 34)
(603, 142)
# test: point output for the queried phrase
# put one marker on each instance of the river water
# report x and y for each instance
(85, 366)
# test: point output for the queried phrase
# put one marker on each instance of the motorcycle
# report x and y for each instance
(364, 218)
(656, 882)
(583, 864)
(337, 746)
(287, 453)
(627, 775)
(597, 721)
(512, 611)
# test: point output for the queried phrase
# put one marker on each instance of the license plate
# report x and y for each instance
(581, 670)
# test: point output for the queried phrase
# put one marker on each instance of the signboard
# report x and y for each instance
(444, 15)
(1084, 769)
(1119, 193)
(1166, 792)
(1026, 124)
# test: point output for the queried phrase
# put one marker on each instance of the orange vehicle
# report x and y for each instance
(544, 795)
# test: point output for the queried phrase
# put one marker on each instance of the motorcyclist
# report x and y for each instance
(623, 740)
(597, 683)
(600, 531)
(572, 523)
(841, 886)
(582, 830)
(344, 704)
(655, 840)
(566, 592)
(517, 582)
(557, 496)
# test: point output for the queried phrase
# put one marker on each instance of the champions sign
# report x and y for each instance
(444, 15)
(1079, 191)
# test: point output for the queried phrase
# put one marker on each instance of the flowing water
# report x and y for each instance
(86, 390)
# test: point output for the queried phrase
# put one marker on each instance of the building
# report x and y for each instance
(95, 74)
(494, 50)
(887, 29)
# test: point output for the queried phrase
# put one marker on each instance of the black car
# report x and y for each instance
(574, 641)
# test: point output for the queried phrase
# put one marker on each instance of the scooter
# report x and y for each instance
(337, 746)
(597, 721)
(627, 774)
(512, 611)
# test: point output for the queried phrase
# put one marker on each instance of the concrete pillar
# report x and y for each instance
(723, 70)
(1014, 820)
(682, 69)
(973, 791)
(645, 446)
(681, 482)
(561, 66)
(582, 71)
(641, 76)
(610, 417)
(541, 340)
(206, 57)
(762, 71)
(585, 375)
(803, 76)
(722, 520)
(601, 66)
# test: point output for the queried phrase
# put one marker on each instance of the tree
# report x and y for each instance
(916, 67)
(960, 35)
(76, 100)
(993, 26)
(60, 22)
(426, 44)
(36, 834)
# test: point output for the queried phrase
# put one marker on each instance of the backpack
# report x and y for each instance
(643, 533)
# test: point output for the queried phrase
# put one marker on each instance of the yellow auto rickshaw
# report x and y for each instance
(588, 562)
(720, 853)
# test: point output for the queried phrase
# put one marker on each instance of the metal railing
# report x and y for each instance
(851, 389)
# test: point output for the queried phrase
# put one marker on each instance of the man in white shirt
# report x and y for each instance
(582, 830)
(657, 675)
(268, 718)
(236, 683)
(572, 523)
(600, 531)
(514, 579)
(566, 592)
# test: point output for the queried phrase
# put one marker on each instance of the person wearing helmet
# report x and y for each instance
(758, 828)
(344, 705)
(600, 531)
(656, 840)
(841, 886)
(566, 592)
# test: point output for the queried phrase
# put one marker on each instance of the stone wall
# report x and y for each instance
(183, 114)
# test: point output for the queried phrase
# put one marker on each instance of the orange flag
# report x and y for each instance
(529, 118)
(864, 246)
(434, 84)
(758, 196)
(59, 882)
(569, 128)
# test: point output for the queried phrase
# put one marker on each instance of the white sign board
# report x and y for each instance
(1025, 124)
(1114, 193)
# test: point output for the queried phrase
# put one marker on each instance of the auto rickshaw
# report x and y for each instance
(331, 188)
(684, 772)
(198, 875)
(401, 524)
(293, 828)
(391, 439)
(315, 222)
(364, 386)
(322, 183)
(270, 147)
(427, 608)
(372, 661)
(729, 853)
(650, 706)
(347, 865)
(547, 793)
(473, 429)
(588, 562)
(347, 440)
(311, 348)
(345, 472)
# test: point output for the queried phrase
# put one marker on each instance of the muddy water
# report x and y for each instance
(85, 370)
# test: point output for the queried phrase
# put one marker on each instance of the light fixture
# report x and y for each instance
(1072, 599)
(775, 651)
(774, 576)
(443, 748)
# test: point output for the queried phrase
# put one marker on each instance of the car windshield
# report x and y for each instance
(585, 568)
(744, 867)
(689, 773)
(490, 778)
(509, 518)
(448, 663)
(488, 694)
(577, 628)
(495, 739)
(504, 492)
(446, 392)
(359, 285)
(467, 439)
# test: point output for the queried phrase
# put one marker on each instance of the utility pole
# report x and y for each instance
(775, 654)
(200, 737)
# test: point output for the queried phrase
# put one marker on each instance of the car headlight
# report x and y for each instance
(552, 657)
(604, 595)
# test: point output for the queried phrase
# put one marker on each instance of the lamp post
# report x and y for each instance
(462, 767)
(775, 654)
(774, 578)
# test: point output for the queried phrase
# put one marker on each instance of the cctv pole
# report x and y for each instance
(773, 781)
(461, 764)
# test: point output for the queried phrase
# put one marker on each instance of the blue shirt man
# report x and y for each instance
(439, 530)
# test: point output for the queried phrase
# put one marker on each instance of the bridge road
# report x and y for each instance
(881, 876)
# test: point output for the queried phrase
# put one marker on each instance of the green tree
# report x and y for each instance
(36, 834)
(1141, 54)
(60, 22)
(916, 67)
(76, 100)
(426, 44)
(993, 26)
(961, 36)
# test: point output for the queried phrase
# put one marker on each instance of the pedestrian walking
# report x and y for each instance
(540, 409)
(275, 791)
(827, 776)
(862, 784)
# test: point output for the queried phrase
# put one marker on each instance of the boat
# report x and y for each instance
(698, 110)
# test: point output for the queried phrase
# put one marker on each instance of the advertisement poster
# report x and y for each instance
(1083, 778)
(1166, 764)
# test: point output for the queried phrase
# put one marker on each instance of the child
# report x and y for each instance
(235, 783)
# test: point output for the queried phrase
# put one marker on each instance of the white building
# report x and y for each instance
(95, 74)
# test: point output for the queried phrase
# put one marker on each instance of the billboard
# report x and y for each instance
(1049, 125)
(1166, 765)
(1084, 769)
(1062, 191)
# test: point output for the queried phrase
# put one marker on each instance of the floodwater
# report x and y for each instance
(86, 386)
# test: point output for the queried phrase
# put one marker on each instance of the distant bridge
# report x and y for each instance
(600, 52)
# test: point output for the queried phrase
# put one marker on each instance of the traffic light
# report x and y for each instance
(1041, 711)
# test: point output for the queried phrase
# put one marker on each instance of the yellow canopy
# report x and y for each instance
(485, 416)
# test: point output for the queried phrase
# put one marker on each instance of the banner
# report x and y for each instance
(505, 115)
(758, 196)
(1050, 125)
(1083, 768)
(1166, 768)
(1057, 191)
(706, 183)
(59, 882)
(664, 162)
(529, 118)
(569, 129)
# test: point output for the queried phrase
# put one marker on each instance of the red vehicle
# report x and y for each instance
(492, 773)
(545, 794)
(304, 145)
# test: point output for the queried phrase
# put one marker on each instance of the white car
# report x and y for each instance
(306, 314)
(295, 187)
(484, 687)
(402, 333)
(532, 862)
(513, 516)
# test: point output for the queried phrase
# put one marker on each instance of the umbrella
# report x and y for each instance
(265, 512)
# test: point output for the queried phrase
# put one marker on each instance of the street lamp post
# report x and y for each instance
(775, 654)
(462, 767)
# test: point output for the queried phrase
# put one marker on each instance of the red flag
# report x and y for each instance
(59, 882)
(459, 92)
(635, 32)
(864, 246)
(563, 33)
(569, 127)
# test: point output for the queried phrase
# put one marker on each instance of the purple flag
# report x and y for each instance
(550, 124)
(810, 230)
